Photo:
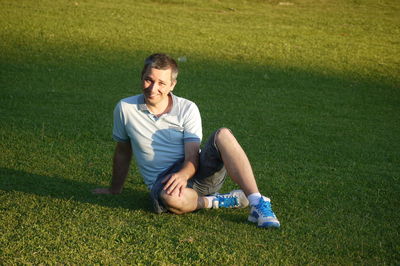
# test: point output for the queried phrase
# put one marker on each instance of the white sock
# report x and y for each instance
(254, 198)
(209, 201)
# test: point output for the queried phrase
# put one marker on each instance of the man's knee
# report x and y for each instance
(223, 133)
(173, 203)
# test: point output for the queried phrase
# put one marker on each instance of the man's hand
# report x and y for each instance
(174, 184)
(104, 191)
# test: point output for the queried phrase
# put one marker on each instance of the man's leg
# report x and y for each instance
(189, 201)
(239, 169)
(208, 180)
(236, 162)
(162, 202)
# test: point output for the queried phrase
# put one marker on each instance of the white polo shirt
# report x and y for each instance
(157, 142)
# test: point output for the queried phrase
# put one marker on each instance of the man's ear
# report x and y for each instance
(173, 85)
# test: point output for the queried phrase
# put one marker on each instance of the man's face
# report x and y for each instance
(157, 85)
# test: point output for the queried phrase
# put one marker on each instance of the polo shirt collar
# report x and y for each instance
(174, 110)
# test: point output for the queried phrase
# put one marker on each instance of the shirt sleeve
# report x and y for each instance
(192, 125)
(119, 130)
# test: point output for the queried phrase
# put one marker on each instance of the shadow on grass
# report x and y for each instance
(61, 188)
(236, 216)
(57, 187)
(78, 94)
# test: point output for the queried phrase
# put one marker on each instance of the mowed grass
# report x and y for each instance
(309, 87)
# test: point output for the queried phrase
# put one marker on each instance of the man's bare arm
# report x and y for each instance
(121, 162)
(176, 182)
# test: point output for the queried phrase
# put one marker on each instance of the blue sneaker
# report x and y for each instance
(233, 199)
(263, 215)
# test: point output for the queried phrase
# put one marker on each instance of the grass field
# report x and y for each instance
(309, 87)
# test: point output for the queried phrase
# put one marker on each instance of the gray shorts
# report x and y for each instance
(208, 179)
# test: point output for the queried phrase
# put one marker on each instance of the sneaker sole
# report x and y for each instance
(242, 199)
(264, 225)
(269, 225)
(252, 219)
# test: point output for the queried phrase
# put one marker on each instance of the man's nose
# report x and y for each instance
(149, 88)
(153, 86)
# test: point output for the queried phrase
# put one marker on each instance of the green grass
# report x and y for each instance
(310, 89)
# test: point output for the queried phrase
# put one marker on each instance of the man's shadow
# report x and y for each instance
(61, 188)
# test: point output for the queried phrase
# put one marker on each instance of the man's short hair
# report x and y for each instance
(162, 62)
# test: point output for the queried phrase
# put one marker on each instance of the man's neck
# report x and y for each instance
(162, 107)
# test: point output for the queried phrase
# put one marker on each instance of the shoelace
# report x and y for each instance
(265, 208)
(227, 201)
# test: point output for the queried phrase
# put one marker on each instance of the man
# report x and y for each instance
(164, 133)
